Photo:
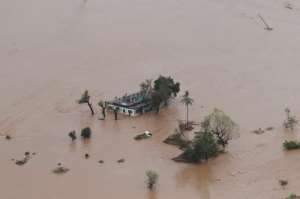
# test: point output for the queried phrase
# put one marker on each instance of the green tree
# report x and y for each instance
(203, 146)
(187, 101)
(86, 132)
(220, 125)
(85, 99)
(164, 89)
(103, 107)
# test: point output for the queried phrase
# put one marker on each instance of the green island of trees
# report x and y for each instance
(216, 130)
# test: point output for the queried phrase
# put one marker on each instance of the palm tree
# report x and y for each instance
(187, 101)
(85, 99)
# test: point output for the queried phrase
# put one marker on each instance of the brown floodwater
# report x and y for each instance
(50, 51)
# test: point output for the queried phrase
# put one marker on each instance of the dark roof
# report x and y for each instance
(133, 101)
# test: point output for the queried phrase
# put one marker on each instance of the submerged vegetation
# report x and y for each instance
(291, 145)
(72, 135)
(177, 139)
(151, 179)
(203, 147)
(60, 169)
(293, 196)
(216, 130)
(86, 132)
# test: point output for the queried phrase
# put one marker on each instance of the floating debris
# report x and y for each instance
(259, 131)
(270, 128)
(86, 156)
(101, 161)
(144, 135)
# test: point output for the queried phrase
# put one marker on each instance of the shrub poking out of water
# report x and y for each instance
(293, 196)
(291, 121)
(283, 183)
(72, 135)
(177, 139)
(152, 178)
(121, 160)
(86, 133)
(203, 147)
(291, 145)
(22, 161)
(60, 170)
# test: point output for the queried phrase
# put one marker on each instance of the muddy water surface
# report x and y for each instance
(50, 51)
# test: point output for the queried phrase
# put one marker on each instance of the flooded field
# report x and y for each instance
(51, 51)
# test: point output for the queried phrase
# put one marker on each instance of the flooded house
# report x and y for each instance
(131, 105)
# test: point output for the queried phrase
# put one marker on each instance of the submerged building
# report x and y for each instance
(132, 105)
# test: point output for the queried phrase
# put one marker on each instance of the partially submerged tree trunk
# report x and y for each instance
(103, 113)
(187, 116)
(91, 108)
(116, 114)
(267, 25)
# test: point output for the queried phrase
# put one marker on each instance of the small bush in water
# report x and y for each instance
(291, 145)
(293, 196)
(152, 178)
(72, 135)
(86, 133)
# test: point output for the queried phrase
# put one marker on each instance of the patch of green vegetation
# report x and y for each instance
(86, 132)
(291, 145)
(177, 139)
(216, 130)
(293, 196)
(152, 178)
(203, 147)
(164, 89)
